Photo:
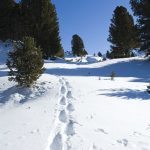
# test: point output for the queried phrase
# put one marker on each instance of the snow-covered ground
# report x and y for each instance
(75, 106)
(86, 59)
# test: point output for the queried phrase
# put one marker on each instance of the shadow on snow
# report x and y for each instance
(138, 69)
(128, 94)
(22, 94)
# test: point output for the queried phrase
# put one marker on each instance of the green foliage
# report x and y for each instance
(132, 54)
(6, 8)
(99, 54)
(78, 46)
(25, 62)
(123, 34)
(83, 53)
(43, 26)
(60, 53)
(35, 18)
(141, 9)
(108, 54)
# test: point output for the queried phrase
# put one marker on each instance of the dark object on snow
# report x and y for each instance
(52, 58)
(148, 88)
(113, 74)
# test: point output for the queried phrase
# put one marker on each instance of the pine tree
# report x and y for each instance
(107, 54)
(84, 53)
(25, 62)
(6, 8)
(123, 33)
(43, 26)
(141, 9)
(16, 23)
(77, 46)
(99, 54)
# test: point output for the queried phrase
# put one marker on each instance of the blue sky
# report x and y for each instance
(90, 19)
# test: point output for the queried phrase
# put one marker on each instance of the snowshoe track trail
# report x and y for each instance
(64, 126)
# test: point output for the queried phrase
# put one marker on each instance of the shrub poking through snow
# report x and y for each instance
(25, 62)
(113, 74)
(148, 88)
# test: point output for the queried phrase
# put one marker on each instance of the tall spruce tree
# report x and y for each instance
(78, 46)
(141, 9)
(108, 54)
(25, 62)
(16, 23)
(42, 24)
(6, 8)
(123, 34)
(99, 54)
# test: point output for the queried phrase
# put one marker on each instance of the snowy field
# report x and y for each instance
(75, 106)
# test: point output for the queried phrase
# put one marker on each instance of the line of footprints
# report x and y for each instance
(65, 125)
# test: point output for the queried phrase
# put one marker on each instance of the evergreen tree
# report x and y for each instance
(99, 54)
(16, 23)
(141, 9)
(6, 8)
(77, 46)
(107, 54)
(25, 62)
(84, 52)
(43, 26)
(123, 33)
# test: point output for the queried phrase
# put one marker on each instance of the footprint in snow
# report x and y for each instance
(57, 142)
(123, 141)
(70, 128)
(6, 132)
(67, 84)
(63, 116)
(61, 81)
(63, 101)
(63, 90)
(101, 130)
(148, 127)
(94, 147)
(70, 107)
(69, 94)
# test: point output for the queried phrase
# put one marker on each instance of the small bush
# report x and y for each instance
(148, 88)
(113, 75)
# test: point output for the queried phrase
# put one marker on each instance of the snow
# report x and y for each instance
(76, 106)
(84, 60)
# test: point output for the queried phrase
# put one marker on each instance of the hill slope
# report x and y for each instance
(77, 107)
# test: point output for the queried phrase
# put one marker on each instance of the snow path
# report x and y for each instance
(64, 124)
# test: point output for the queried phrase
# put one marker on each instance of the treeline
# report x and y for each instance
(124, 35)
(32, 18)
(38, 19)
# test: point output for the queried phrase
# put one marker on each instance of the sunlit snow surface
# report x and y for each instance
(75, 106)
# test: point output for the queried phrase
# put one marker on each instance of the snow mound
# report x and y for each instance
(93, 59)
(15, 95)
(85, 59)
